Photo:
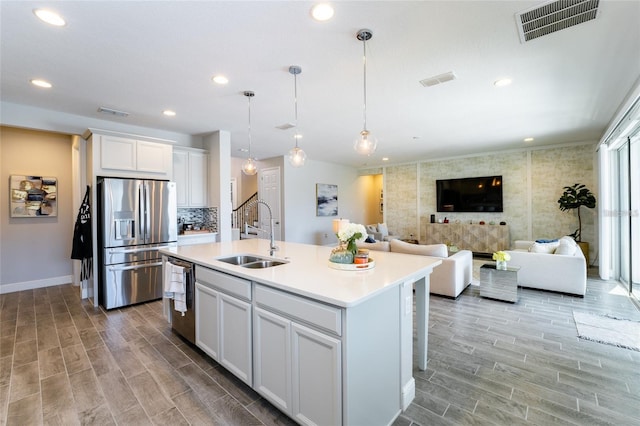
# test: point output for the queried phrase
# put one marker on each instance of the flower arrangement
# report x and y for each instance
(350, 234)
(501, 256)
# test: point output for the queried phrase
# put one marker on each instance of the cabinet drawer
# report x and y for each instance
(227, 283)
(320, 315)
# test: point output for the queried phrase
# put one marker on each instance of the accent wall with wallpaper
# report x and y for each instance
(533, 181)
(35, 251)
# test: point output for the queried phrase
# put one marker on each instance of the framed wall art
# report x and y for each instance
(326, 199)
(33, 196)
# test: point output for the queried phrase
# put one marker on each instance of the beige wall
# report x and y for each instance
(35, 251)
(372, 186)
(533, 181)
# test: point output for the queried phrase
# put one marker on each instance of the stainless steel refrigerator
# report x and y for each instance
(135, 218)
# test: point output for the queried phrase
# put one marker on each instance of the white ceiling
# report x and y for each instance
(144, 57)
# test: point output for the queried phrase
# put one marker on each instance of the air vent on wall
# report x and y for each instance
(554, 16)
(441, 78)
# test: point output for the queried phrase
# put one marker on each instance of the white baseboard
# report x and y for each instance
(30, 285)
(408, 393)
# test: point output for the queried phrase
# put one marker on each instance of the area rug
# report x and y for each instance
(608, 330)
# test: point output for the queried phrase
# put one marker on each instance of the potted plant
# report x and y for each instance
(574, 197)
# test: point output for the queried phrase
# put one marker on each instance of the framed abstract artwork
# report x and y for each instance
(326, 199)
(33, 196)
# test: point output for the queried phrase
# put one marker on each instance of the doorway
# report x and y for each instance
(269, 191)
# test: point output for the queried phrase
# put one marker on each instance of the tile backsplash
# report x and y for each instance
(203, 218)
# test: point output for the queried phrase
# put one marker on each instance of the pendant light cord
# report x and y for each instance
(295, 101)
(364, 62)
(249, 127)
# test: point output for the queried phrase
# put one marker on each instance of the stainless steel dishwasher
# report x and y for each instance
(185, 325)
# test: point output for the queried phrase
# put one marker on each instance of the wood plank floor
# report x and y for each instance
(62, 361)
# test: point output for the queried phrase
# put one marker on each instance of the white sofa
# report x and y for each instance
(447, 279)
(545, 269)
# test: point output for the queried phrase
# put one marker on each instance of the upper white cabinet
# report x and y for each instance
(190, 172)
(130, 157)
(118, 153)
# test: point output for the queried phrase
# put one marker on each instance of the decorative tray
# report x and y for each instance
(353, 266)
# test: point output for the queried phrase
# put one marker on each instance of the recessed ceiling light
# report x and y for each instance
(385, 158)
(169, 113)
(50, 17)
(528, 139)
(41, 83)
(220, 79)
(322, 12)
(502, 82)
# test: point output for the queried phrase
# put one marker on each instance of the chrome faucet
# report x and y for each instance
(271, 223)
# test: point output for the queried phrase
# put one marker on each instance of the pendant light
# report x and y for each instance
(249, 167)
(297, 156)
(365, 144)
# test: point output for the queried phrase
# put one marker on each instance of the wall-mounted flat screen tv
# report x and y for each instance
(477, 194)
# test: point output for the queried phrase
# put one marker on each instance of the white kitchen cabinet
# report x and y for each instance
(316, 377)
(118, 153)
(137, 156)
(297, 359)
(207, 328)
(190, 172)
(235, 336)
(272, 358)
(223, 321)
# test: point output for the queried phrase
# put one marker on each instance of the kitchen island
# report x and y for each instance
(325, 346)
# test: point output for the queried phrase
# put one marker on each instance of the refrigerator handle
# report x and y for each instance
(147, 212)
(141, 213)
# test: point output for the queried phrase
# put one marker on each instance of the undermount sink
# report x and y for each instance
(240, 259)
(251, 261)
(260, 264)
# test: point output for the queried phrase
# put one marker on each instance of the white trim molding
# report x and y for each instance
(30, 285)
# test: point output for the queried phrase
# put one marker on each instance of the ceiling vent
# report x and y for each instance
(554, 16)
(286, 126)
(115, 112)
(442, 78)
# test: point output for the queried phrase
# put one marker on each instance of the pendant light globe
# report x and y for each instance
(297, 156)
(366, 143)
(249, 167)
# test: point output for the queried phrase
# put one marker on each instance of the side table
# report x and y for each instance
(499, 284)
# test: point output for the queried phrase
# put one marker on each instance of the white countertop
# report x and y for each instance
(307, 272)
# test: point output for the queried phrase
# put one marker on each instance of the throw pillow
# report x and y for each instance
(548, 248)
(383, 230)
(370, 239)
(567, 248)
(436, 250)
(371, 229)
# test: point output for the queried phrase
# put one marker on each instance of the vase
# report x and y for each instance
(501, 265)
(341, 254)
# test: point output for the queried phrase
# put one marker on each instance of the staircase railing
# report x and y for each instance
(239, 218)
